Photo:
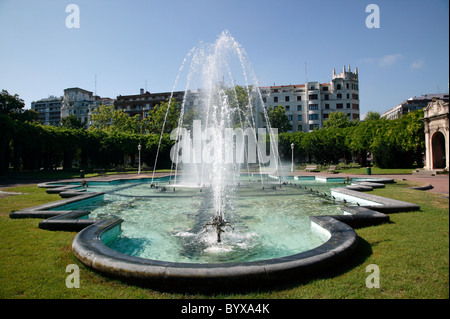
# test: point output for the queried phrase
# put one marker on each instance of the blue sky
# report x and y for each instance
(130, 44)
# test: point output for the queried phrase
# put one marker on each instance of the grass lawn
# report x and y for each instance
(376, 171)
(412, 253)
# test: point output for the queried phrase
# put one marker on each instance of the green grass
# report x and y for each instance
(376, 171)
(352, 169)
(412, 253)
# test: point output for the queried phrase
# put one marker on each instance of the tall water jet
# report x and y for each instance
(223, 125)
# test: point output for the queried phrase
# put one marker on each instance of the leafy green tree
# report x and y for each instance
(163, 116)
(10, 104)
(102, 117)
(372, 116)
(337, 120)
(71, 121)
(278, 119)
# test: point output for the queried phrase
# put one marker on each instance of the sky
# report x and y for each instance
(121, 46)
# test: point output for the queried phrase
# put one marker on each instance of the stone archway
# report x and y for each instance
(436, 124)
(438, 150)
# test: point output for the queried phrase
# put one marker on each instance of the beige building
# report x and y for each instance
(308, 105)
(436, 119)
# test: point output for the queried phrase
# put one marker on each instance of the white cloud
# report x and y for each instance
(417, 64)
(384, 61)
(389, 59)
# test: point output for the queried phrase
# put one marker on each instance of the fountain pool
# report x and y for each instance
(166, 222)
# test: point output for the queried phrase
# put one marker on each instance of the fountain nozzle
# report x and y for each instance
(218, 222)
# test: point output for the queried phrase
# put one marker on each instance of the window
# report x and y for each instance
(264, 100)
(327, 106)
(313, 97)
(355, 106)
(289, 117)
(313, 117)
(355, 96)
(346, 85)
(339, 106)
(313, 127)
(325, 88)
(348, 105)
(299, 108)
(286, 98)
(348, 96)
(314, 106)
(299, 98)
(338, 87)
(327, 96)
(356, 116)
(275, 99)
(339, 96)
(299, 128)
(299, 118)
(325, 116)
(287, 107)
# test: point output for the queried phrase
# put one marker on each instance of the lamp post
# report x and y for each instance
(139, 149)
(292, 164)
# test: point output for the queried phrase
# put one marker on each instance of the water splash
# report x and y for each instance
(207, 152)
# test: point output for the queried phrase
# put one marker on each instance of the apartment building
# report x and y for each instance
(76, 102)
(308, 105)
(413, 104)
(49, 110)
(143, 102)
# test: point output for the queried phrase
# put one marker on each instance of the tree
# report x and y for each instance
(337, 120)
(10, 104)
(102, 117)
(163, 115)
(278, 119)
(372, 116)
(71, 121)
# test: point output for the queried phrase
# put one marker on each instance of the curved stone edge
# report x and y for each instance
(89, 248)
(423, 188)
(66, 220)
(379, 203)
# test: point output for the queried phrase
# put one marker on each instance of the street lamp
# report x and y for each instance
(292, 164)
(139, 149)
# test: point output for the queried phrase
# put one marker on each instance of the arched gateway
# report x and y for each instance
(436, 119)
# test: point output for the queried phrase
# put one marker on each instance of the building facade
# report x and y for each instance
(412, 104)
(49, 110)
(436, 120)
(144, 102)
(308, 105)
(76, 102)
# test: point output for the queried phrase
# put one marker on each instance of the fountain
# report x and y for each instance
(216, 155)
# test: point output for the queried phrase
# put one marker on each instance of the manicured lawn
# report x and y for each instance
(376, 171)
(412, 253)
